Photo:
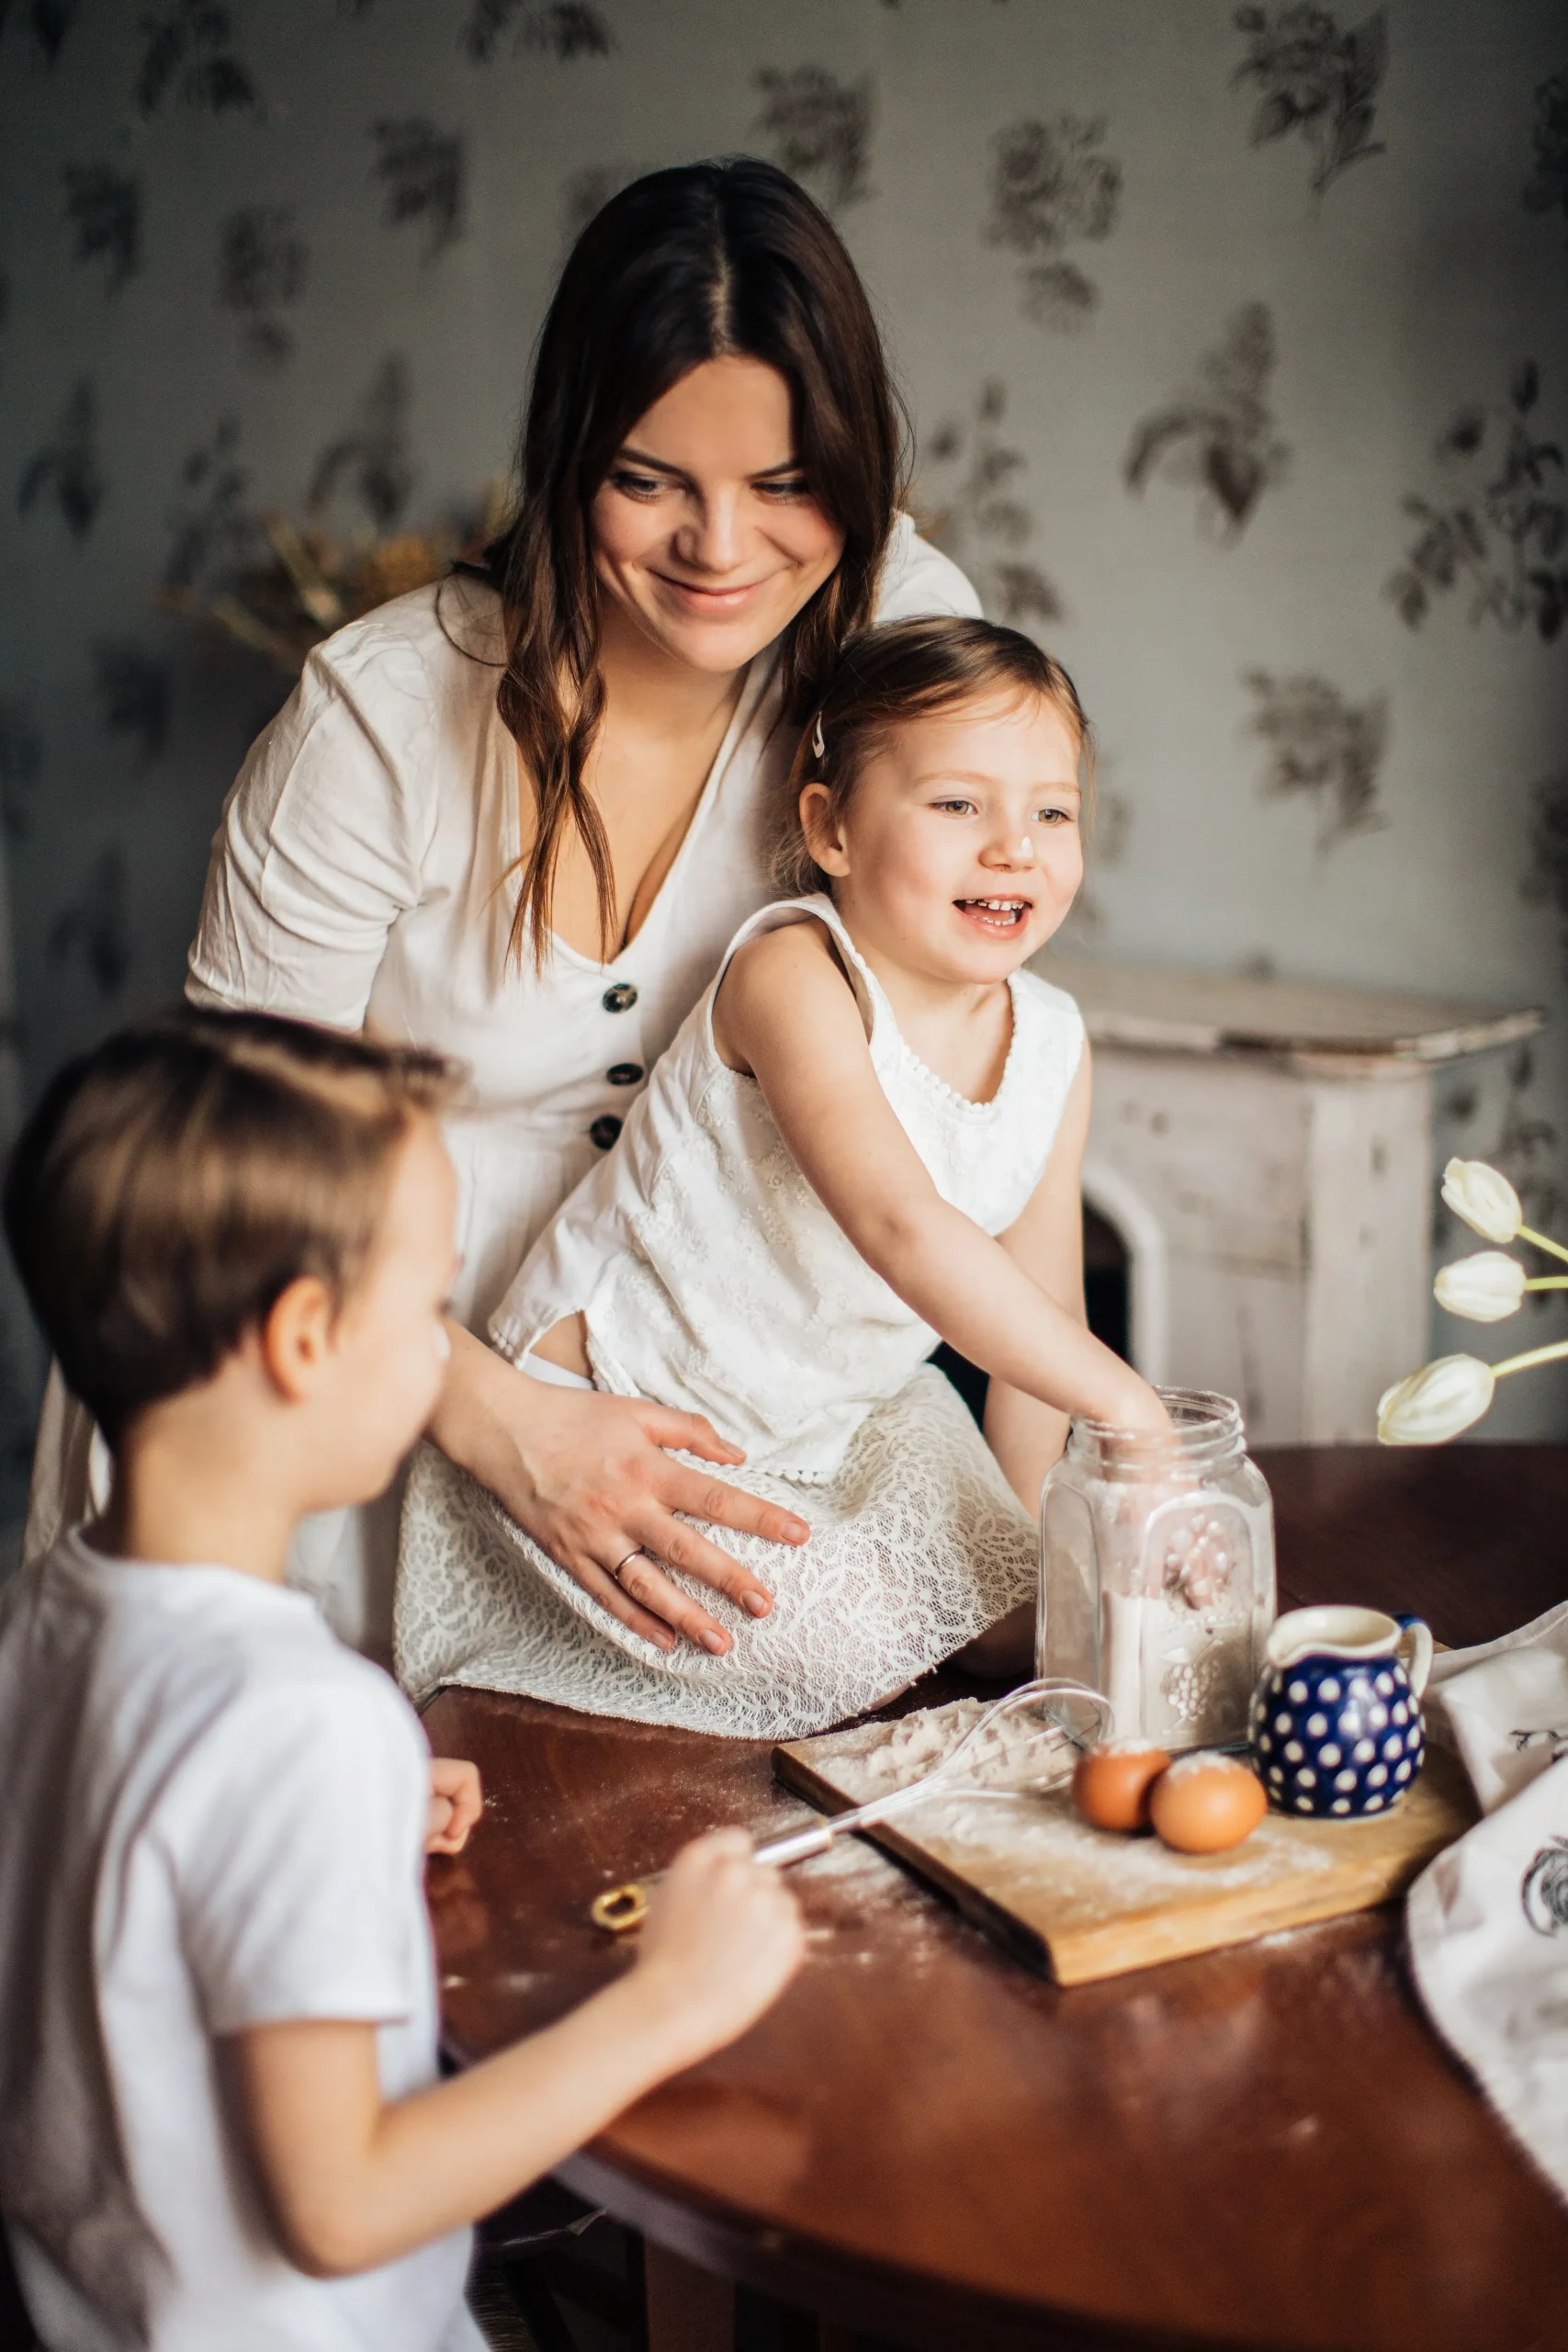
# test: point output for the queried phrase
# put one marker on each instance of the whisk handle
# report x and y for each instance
(800, 1846)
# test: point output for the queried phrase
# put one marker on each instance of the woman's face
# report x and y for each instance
(706, 536)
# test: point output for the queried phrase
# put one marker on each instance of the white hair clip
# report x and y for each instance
(817, 746)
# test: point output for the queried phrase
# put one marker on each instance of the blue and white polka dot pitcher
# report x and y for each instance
(1335, 1725)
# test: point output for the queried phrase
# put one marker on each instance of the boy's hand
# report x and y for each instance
(457, 1801)
(723, 1938)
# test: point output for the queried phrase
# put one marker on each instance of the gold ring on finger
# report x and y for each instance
(637, 1553)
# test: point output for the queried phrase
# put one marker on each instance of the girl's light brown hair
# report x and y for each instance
(888, 676)
(700, 262)
(171, 1183)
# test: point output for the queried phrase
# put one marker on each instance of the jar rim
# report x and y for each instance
(1199, 1416)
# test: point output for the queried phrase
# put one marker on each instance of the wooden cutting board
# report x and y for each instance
(1078, 1904)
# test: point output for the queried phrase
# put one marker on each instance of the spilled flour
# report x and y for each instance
(1026, 1846)
(1016, 1752)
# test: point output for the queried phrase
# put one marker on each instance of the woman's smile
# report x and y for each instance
(692, 595)
(706, 533)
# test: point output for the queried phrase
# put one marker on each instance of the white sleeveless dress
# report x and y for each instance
(713, 1280)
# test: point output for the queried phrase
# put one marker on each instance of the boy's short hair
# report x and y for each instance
(174, 1181)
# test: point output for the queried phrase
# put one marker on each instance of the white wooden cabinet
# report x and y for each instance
(1263, 1149)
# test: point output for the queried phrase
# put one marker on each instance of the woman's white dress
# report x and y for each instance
(360, 872)
(713, 1279)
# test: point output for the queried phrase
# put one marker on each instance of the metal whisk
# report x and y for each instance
(621, 1908)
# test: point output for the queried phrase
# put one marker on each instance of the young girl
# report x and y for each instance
(866, 1136)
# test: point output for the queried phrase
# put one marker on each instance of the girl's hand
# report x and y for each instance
(591, 1479)
(722, 1940)
(457, 1801)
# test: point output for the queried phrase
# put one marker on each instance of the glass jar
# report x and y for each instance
(1157, 1572)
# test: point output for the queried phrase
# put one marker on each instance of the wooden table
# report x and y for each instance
(1264, 2147)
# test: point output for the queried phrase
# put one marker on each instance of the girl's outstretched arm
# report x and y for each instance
(1046, 1241)
(786, 1013)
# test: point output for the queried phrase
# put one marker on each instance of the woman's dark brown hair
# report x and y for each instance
(909, 670)
(685, 265)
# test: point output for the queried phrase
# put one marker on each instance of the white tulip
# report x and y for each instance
(1430, 1405)
(1483, 1288)
(1482, 1198)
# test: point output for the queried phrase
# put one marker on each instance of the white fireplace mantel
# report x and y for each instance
(1263, 1149)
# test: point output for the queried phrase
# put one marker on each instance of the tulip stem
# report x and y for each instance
(1553, 1248)
(1548, 1281)
(1536, 1355)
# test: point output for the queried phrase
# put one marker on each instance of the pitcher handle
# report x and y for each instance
(1415, 1649)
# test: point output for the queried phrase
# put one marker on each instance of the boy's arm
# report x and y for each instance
(788, 1015)
(1046, 1240)
(352, 2182)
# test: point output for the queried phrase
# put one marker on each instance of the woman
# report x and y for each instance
(517, 816)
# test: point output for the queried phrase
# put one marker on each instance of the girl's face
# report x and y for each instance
(959, 852)
(707, 537)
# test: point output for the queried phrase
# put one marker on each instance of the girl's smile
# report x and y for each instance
(959, 852)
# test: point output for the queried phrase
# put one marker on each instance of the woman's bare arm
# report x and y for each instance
(789, 1015)
(591, 1479)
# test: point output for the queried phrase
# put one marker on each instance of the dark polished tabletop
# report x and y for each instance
(1263, 2147)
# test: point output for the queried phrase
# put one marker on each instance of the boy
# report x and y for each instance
(220, 2122)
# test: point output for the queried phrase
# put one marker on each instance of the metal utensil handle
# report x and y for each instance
(621, 1909)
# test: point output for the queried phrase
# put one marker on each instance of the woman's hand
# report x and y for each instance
(591, 1479)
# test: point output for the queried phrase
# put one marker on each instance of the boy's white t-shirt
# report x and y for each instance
(214, 1817)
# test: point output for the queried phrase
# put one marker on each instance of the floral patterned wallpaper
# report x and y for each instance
(1236, 337)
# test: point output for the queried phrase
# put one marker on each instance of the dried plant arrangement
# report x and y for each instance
(1052, 186)
(1321, 745)
(1316, 80)
(1505, 538)
(278, 585)
(310, 582)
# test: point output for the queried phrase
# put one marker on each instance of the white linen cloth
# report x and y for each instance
(363, 872)
(215, 1818)
(713, 1279)
(1488, 1920)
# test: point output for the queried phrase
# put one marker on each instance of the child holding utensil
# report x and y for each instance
(866, 1136)
(219, 2121)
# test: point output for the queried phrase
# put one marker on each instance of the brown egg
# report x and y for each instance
(1206, 1802)
(1111, 1785)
